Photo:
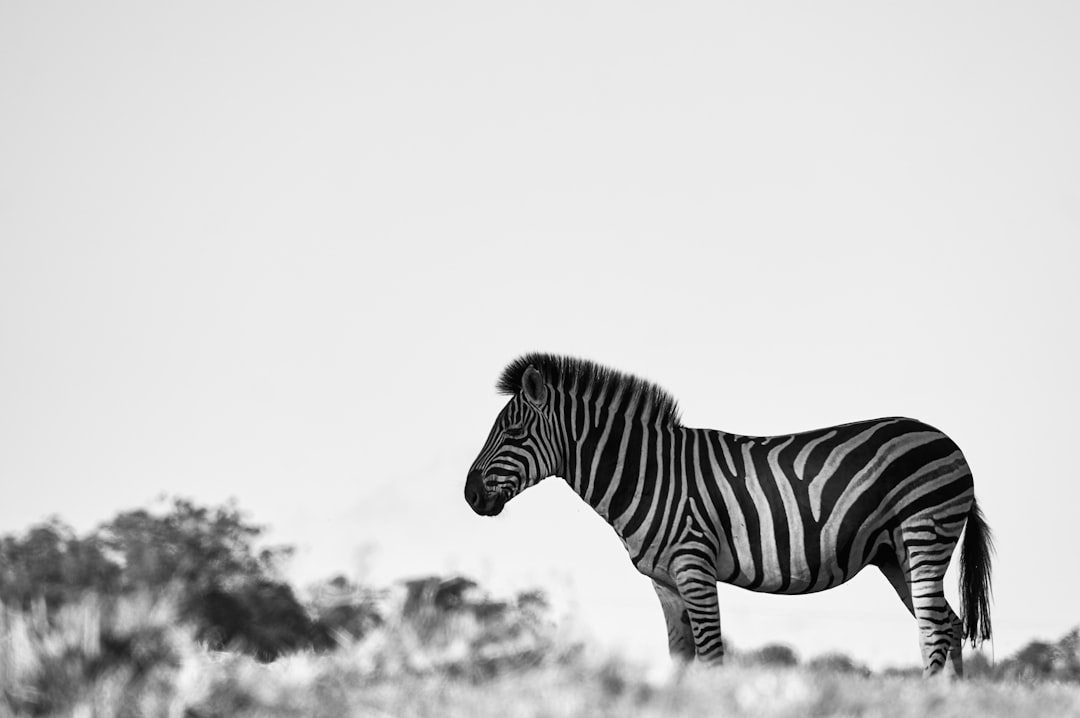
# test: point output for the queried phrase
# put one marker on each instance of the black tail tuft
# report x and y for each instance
(975, 577)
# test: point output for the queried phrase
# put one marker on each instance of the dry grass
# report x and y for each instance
(131, 659)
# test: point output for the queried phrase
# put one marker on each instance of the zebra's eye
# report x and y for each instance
(516, 432)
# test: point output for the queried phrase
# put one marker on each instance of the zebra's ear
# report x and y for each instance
(533, 388)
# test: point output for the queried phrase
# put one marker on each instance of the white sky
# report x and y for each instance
(280, 252)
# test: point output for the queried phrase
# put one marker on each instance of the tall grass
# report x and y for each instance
(128, 657)
(95, 657)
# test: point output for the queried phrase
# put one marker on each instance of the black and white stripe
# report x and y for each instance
(779, 514)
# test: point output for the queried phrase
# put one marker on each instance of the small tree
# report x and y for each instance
(226, 587)
(52, 563)
(1045, 660)
(229, 590)
(837, 663)
(977, 665)
(344, 609)
(195, 546)
(775, 654)
(1035, 660)
(1068, 659)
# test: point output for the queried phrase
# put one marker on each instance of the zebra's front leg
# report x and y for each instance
(680, 637)
(697, 588)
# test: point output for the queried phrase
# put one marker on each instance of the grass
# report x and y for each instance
(130, 658)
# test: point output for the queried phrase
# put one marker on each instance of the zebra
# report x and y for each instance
(790, 514)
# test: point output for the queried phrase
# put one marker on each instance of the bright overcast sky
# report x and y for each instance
(280, 252)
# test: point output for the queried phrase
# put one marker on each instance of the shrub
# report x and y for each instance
(205, 556)
(775, 654)
(837, 663)
(118, 657)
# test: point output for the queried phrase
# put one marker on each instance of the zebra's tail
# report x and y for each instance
(975, 577)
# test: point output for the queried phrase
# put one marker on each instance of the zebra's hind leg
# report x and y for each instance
(956, 644)
(932, 613)
(680, 635)
(916, 569)
(697, 588)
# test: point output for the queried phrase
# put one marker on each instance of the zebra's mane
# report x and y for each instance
(577, 374)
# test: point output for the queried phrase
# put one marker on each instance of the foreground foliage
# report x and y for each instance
(131, 658)
(177, 614)
(226, 587)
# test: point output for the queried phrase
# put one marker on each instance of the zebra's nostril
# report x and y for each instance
(474, 493)
(472, 496)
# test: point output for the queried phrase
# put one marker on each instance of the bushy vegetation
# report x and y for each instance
(177, 614)
(120, 657)
(130, 657)
(227, 590)
(1039, 660)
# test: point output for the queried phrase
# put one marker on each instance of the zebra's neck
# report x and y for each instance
(614, 447)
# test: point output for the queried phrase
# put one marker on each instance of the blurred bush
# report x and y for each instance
(449, 625)
(52, 564)
(837, 663)
(204, 556)
(131, 655)
(208, 565)
(344, 610)
(97, 656)
(773, 654)
(1043, 660)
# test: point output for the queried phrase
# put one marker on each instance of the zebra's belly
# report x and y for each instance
(763, 581)
(794, 584)
(808, 562)
(765, 565)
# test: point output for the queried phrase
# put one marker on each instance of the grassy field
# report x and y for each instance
(132, 659)
(564, 691)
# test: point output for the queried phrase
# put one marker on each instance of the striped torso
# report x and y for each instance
(780, 514)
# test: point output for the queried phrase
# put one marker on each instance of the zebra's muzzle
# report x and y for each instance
(476, 498)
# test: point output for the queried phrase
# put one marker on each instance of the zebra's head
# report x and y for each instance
(521, 449)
